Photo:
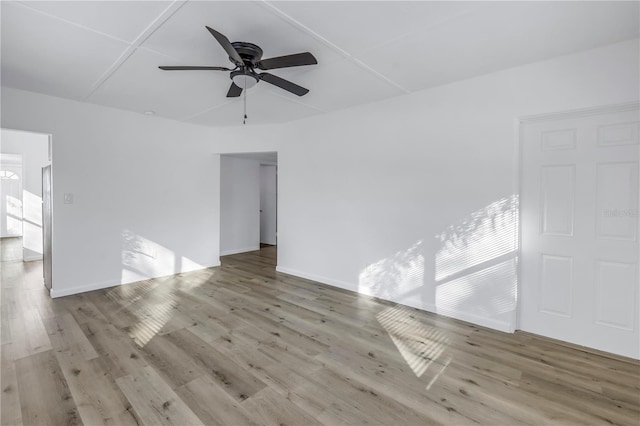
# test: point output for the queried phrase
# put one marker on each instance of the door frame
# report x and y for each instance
(47, 258)
(219, 155)
(275, 166)
(50, 158)
(522, 121)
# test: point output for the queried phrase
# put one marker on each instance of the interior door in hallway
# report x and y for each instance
(579, 224)
(268, 204)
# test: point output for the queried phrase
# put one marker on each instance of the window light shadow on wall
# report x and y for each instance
(479, 255)
(394, 276)
(14, 215)
(143, 258)
(32, 222)
(475, 263)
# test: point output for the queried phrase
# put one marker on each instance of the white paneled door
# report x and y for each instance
(579, 224)
(268, 204)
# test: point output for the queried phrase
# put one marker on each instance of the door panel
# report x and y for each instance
(579, 230)
(556, 284)
(557, 200)
(617, 193)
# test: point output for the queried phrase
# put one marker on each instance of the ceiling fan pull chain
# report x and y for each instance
(244, 121)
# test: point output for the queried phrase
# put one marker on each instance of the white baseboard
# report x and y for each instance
(504, 326)
(492, 323)
(106, 284)
(31, 258)
(324, 280)
(240, 250)
(83, 289)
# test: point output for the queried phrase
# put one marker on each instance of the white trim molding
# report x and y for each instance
(240, 250)
(107, 284)
(494, 324)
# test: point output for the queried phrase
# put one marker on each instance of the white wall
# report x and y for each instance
(239, 205)
(268, 204)
(412, 199)
(34, 149)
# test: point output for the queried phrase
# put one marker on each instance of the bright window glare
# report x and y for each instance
(32, 225)
(7, 174)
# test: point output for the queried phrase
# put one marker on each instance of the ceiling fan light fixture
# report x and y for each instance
(244, 81)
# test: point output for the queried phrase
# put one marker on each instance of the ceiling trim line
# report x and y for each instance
(204, 111)
(66, 21)
(284, 96)
(133, 46)
(282, 15)
(380, 76)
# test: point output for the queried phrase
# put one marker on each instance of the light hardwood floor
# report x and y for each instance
(242, 344)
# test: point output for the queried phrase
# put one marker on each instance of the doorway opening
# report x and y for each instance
(25, 211)
(248, 203)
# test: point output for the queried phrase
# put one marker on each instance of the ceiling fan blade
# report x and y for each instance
(284, 84)
(295, 60)
(234, 91)
(189, 68)
(226, 45)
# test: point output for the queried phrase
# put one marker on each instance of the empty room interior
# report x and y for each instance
(320, 212)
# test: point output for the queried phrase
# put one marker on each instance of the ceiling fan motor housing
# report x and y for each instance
(249, 52)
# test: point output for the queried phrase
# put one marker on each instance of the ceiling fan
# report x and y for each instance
(247, 57)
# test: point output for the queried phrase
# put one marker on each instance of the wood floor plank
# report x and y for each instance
(154, 401)
(280, 368)
(212, 404)
(237, 381)
(82, 309)
(99, 400)
(49, 400)
(268, 407)
(5, 331)
(66, 335)
(28, 334)
(10, 412)
(116, 349)
(171, 362)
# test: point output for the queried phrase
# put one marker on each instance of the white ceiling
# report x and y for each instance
(107, 52)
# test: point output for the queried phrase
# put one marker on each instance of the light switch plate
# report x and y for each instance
(68, 198)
